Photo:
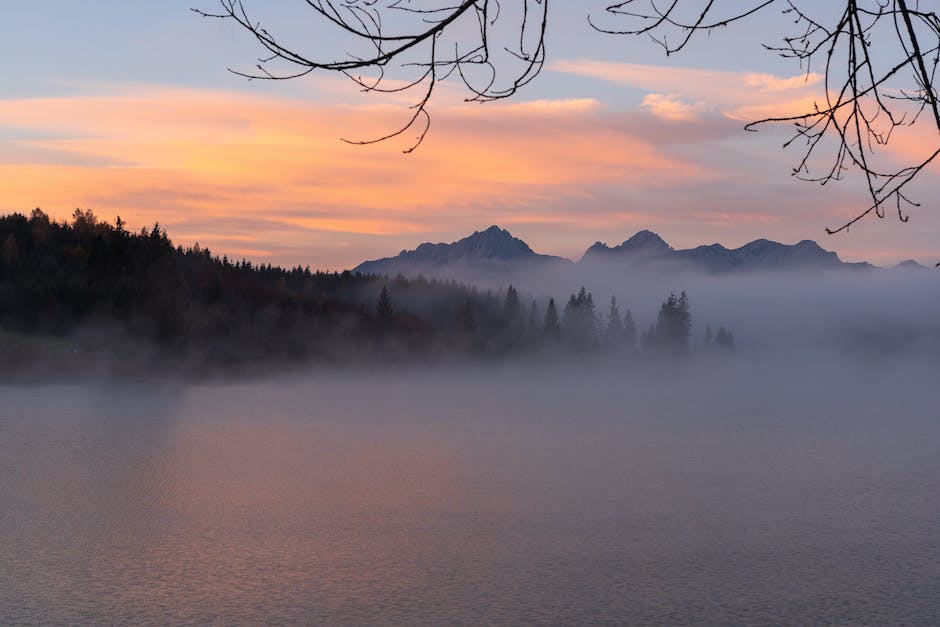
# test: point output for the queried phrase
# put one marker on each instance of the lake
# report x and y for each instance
(573, 495)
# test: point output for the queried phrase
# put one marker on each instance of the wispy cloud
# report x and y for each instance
(166, 153)
(679, 93)
(270, 177)
(671, 107)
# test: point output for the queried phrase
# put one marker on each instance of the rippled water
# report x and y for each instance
(469, 497)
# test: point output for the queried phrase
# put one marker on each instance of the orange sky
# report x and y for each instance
(268, 177)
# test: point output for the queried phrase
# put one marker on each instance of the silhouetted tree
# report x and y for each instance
(186, 304)
(724, 340)
(629, 332)
(580, 322)
(674, 326)
(551, 331)
(11, 253)
(533, 331)
(615, 333)
(513, 330)
(467, 321)
(511, 305)
(384, 312)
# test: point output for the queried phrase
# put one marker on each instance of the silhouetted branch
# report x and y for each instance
(655, 21)
(419, 45)
(870, 90)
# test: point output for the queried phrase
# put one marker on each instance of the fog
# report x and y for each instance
(866, 314)
(794, 480)
(740, 491)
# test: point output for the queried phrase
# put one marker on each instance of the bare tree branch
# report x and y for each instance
(879, 60)
(429, 42)
(869, 91)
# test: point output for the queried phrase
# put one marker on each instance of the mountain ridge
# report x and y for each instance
(497, 249)
(493, 246)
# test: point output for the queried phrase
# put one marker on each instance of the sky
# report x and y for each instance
(127, 108)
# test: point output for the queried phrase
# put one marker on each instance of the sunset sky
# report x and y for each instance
(126, 108)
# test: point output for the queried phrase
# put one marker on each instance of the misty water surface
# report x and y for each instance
(722, 494)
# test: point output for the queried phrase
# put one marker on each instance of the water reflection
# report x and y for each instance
(476, 498)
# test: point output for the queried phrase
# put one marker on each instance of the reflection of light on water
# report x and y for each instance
(507, 497)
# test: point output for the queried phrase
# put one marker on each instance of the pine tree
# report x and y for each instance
(684, 322)
(467, 321)
(511, 305)
(384, 312)
(629, 332)
(614, 334)
(11, 253)
(674, 325)
(724, 340)
(532, 332)
(513, 330)
(551, 332)
(467, 325)
(580, 321)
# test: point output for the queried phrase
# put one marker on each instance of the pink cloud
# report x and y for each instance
(682, 93)
(269, 177)
(672, 107)
(153, 153)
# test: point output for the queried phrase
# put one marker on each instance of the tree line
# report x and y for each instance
(73, 292)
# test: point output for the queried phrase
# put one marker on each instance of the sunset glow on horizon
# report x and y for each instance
(408, 312)
(266, 175)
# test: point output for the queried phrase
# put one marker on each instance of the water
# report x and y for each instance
(467, 497)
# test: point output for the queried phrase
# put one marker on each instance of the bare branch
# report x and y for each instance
(871, 90)
(424, 45)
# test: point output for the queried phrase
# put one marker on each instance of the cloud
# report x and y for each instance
(672, 107)
(697, 98)
(269, 177)
(684, 80)
(157, 153)
(681, 93)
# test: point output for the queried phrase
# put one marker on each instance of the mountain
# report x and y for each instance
(648, 250)
(761, 254)
(496, 253)
(645, 245)
(910, 264)
(492, 250)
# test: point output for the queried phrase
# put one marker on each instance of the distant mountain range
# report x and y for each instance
(648, 248)
(495, 250)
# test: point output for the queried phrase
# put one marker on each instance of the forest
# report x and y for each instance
(88, 295)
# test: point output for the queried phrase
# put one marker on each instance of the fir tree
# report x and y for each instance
(551, 331)
(467, 321)
(580, 323)
(724, 340)
(532, 332)
(513, 330)
(614, 334)
(674, 326)
(384, 312)
(629, 332)
(511, 305)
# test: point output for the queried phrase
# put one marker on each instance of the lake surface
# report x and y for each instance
(474, 497)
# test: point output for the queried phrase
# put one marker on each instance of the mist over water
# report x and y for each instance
(728, 491)
(802, 315)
